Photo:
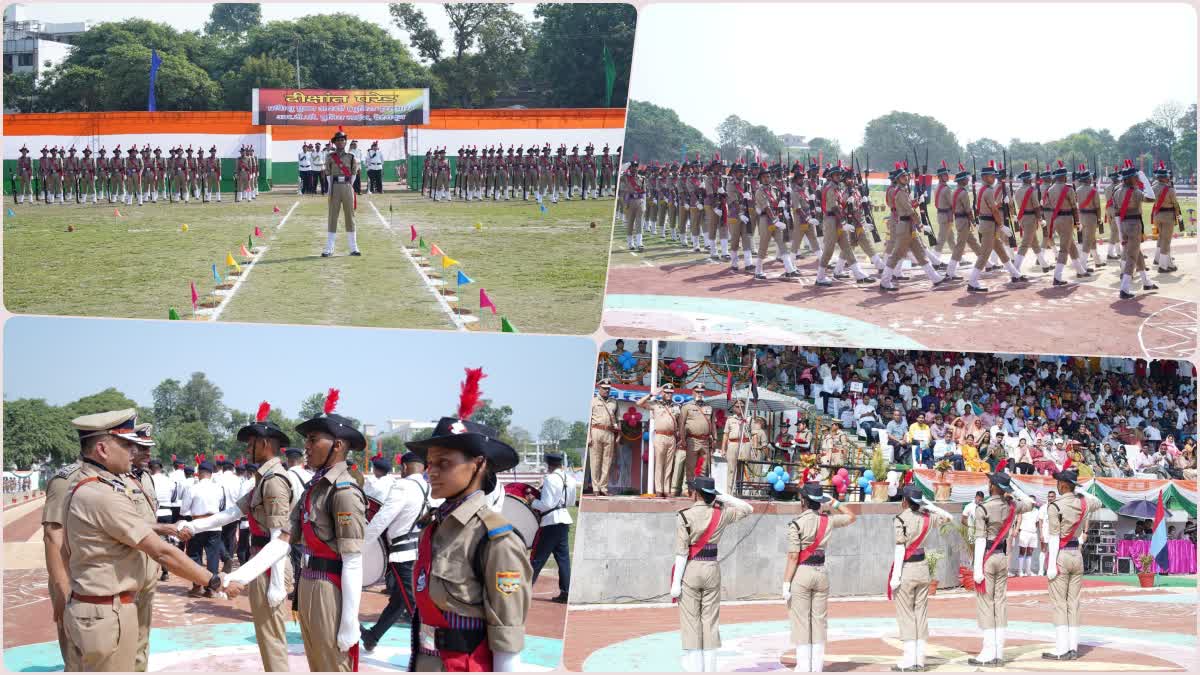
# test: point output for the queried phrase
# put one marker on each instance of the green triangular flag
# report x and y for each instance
(610, 76)
(421, 243)
(249, 243)
(505, 326)
(172, 315)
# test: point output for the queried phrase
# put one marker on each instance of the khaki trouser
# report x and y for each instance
(991, 606)
(270, 623)
(69, 653)
(1090, 225)
(808, 605)
(740, 236)
(912, 602)
(678, 470)
(946, 236)
(700, 605)
(651, 210)
(696, 458)
(1131, 242)
(145, 613)
(1064, 228)
(716, 224)
(989, 241)
(660, 216)
(802, 230)
(835, 239)
(903, 235)
(766, 232)
(633, 215)
(1029, 236)
(103, 637)
(1064, 589)
(695, 216)
(964, 238)
(320, 613)
(341, 196)
(214, 183)
(1166, 229)
(601, 449)
(664, 461)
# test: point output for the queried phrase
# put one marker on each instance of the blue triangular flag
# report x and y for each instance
(11, 214)
(542, 207)
(216, 276)
(463, 279)
(155, 62)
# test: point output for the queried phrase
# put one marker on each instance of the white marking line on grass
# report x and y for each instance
(216, 312)
(459, 324)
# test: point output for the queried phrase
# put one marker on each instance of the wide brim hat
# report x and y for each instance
(962, 175)
(1059, 172)
(472, 438)
(1067, 476)
(812, 492)
(293, 451)
(943, 171)
(1025, 175)
(1129, 172)
(411, 456)
(381, 463)
(1001, 480)
(333, 424)
(987, 171)
(338, 134)
(262, 428)
(205, 466)
(1083, 175)
(912, 493)
(553, 457)
(704, 484)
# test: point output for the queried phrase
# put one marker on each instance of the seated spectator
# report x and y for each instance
(1023, 461)
(920, 441)
(896, 430)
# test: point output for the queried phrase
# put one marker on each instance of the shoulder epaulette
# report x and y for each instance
(67, 470)
(497, 525)
(345, 484)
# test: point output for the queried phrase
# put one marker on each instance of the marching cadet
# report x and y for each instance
(53, 176)
(1062, 222)
(1163, 215)
(908, 580)
(662, 200)
(606, 172)
(133, 177)
(635, 201)
(91, 176)
(942, 203)
(602, 437)
(1128, 199)
(213, 169)
(694, 433)
(665, 415)
(994, 520)
(837, 230)
(857, 207)
(1110, 214)
(696, 577)
(1067, 522)
(341, 167)
(25, 176)
(988, 218)
(147, 174)
(589, 173)
(243, 175)
(805, 580)
(770, 225)
(253, 173)
(195, 183)
(741, 230)
(160, 175)
(1089, 216)
(904, 232)
(109, 534)
(1029, 214)
(267, 506)
(472, 581)
(735, 442)
(375, 168)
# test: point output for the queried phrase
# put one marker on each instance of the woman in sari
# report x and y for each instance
(969, 445)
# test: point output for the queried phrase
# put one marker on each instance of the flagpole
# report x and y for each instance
(653, 385)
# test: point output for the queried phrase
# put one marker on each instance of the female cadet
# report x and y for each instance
(908, 582)
(472, 579)
(696, 578)
(805, 582)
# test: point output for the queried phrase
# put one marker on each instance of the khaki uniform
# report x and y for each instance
(1064, 588)
(1089, 220)
(943, 196)
(661, 204)
(458, 592)
(964, 236)
(1130, 227)
(991, 606)
(810, 585)
(904, 229)
(738, 447)
(54, 512)
(832, 212)
(337, 511)
(1165, 217)
(989, 230)
(665, 421)
(700, 600)
(801, 228)
(107, 516)
(270, 505)
(695, 205)
(602, 441)
(341, 189)
(912, 596)
(145, 596)
(635, 201)
(764, 197)
(1062, 221)
(1028, 218)
(741, 236)
(695, 435)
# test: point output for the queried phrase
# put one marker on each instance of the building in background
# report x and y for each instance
(32, 46)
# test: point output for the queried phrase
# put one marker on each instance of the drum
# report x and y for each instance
(374, 553)
(517, 510)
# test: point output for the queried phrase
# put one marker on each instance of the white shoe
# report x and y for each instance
(803, 659)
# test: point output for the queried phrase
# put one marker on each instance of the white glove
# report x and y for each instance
(506, 662)
(348, 630)
(230, 515)
(677, 577)
(276, 591)
(818, 210)
(935, 509)
(745, 220)
(1005, 198)
(980, 549)
(1051, 557)
(1007, 231)
(813, 221)
(735, 504)
(275, 551)
(720, 191)
(866, 199)
(787, 591)
(718, 212)
(897, 567)
(780, 225)
(848, 228)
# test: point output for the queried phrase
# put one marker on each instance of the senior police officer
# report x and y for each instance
(665, 414)
(602, 437)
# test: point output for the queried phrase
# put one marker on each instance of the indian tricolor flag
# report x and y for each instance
(1158, 540)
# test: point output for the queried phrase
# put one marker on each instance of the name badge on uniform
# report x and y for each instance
(508, 582)
(427, 638)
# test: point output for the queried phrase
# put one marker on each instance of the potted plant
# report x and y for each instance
(966, 574)
(941, 486)
(1145, 575)
(932, 558)
(879, 486)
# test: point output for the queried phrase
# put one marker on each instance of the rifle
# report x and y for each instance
(867, 206)
(919, 192)
(1096, 186)
(1046, 233)
(974, 203)
(1005, 208)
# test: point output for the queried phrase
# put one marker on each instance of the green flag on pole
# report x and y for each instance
(249, 243)
(505, 326)
(421, 244)
(610, 76)
(172, 314)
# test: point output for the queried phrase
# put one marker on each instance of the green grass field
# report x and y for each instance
(544, 272)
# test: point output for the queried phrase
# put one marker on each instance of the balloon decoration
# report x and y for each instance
(679, 367)
(631, 425)
(778, 478)
(719, 418)
(626, 361)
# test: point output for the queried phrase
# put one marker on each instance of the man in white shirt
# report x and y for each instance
(203, 499)
(379, 483)
(375, 168)
(1028, 532)
(166, 493)
(231, 486)
(557, 495)
(303, 167)
(404, 504)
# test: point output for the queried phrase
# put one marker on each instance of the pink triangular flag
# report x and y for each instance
(275, 209)
(117, 212)
(485, 301)
(245, 253)
(413, 230)
(435, 250)
(195, 295)
(257, 232)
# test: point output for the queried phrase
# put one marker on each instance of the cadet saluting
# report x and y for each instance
(696, 577)
(472, 579)
(1067, 520)
(805, 582)
(108, 530)
(997, 516)
(342, 168)
(908, 583)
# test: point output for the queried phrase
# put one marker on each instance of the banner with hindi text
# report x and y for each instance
(329, 107)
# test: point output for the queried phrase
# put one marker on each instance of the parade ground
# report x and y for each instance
(191, 634)
(1124, 629)
(543, 270)
(669, 292)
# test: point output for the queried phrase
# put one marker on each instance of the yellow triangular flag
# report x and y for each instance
(448, 261)
(229, 260)
(478, 226)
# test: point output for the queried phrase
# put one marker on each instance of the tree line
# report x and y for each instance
(190, 418)
(557, 60)
(654, 133)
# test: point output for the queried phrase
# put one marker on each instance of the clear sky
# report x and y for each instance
(382, 374)
(692, 58)
(193, 15)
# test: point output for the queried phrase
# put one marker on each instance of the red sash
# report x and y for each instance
(1087, 202)
(1058, 205)
(1158, 202)
(1024, 204)
(1062, 542)
(695, 548)
(1125, 204)
(1000, 536)
(318, 548)
(478, 661)
(937, 194)
(916, 544)
(345, 172)
(806, 553)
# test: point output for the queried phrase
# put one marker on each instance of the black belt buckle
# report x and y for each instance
(324, 565)
(817, 558)
(1002, 547)
(1072, 544)
(916, 557)
(457, 640)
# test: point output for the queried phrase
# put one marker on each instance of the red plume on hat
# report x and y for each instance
(331, 400)
(1060, 164)
(471, 396)
(264, 409)
(378, 455)
(944, 164)
(220, 458)
(897, 166)
(1082, 166)
(961, 167)
(1026, 166)
(1162, 164)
